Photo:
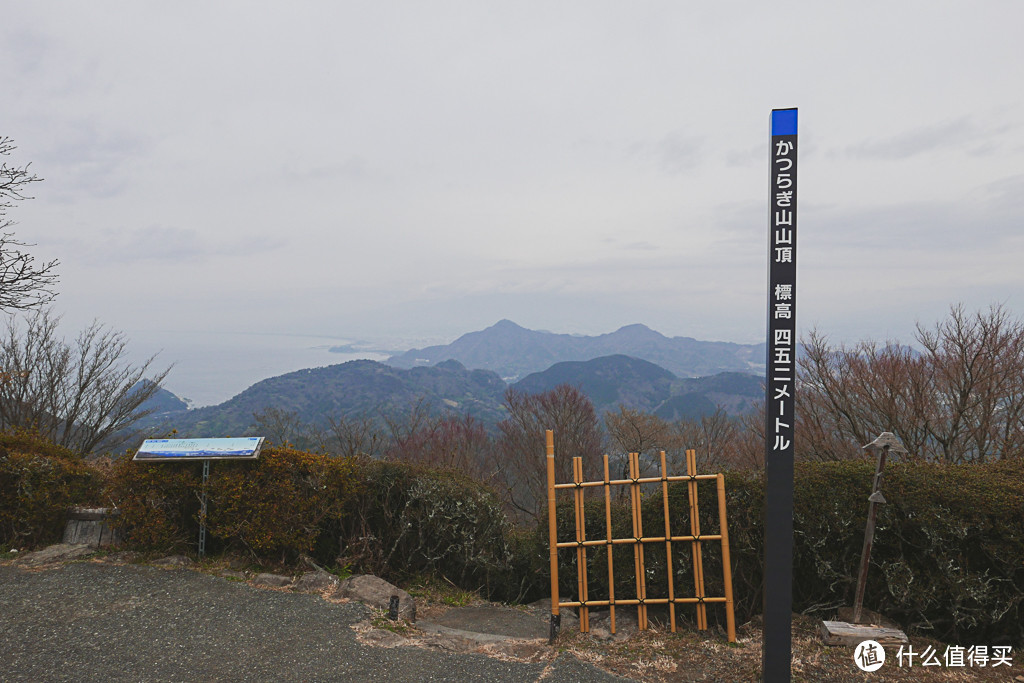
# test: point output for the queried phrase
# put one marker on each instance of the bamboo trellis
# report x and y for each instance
(581, 544)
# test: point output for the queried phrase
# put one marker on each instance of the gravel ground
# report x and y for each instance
(91, 621)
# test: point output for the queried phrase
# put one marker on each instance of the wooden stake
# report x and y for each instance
(608, 527)
(668, 546)
(698, 560)
(723, 530)
(552, 535)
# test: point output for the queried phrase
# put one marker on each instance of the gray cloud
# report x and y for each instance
(963, 132)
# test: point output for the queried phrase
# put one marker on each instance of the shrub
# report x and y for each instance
(411, 519)
(37, 489)
(282, 505)
(31, 441)
(158, 502)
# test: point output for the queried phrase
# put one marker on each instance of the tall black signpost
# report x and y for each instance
(780, 386)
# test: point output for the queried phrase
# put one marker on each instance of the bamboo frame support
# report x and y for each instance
(549, 438)
(610, 547)
(696, 540)
(668, 546)
(723, 527)
(638, 546)
(581, 550)
(695, 546)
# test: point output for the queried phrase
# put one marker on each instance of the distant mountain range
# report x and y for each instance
(368, 387)
(633, 366)
(611, 381)
(514, 352)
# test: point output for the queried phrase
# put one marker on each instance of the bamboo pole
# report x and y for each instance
(698, 560)
(648, 601)
(668, 545)
(552, 535)
(638, 532)
(640, 480)
(581, 550)
(730, 618)
(636, 546)
(645, 539)
(608, 528)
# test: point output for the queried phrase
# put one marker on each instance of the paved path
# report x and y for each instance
(88, 621)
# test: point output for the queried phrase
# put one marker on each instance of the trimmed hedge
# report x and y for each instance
(947, 559)
(284, 504)
(35, 492)
(389, 518)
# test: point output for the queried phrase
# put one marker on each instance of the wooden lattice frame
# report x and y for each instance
(696, 539)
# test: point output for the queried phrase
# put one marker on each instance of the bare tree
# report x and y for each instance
(358, 435)
(23, 283)
(81, 395)
(280, 427)
(570, 415)
(960, 400)
(450, 441)
(714, 437)
(636, 431)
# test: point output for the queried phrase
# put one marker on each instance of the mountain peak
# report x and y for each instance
(506, 324)
(635, 328)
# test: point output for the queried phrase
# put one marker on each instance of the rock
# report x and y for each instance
(316, 582)
(625, 624)
(122, 556)
(61, 552)
(174, 561)
(271, 580)
(568, 622)
(376, 592)
(238, 564)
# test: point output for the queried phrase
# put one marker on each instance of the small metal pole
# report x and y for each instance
(202, 510)
(885, 443)
(393, 608)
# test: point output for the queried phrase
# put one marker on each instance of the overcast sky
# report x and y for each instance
(415, 169)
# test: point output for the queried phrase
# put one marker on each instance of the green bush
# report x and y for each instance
(37, 489)
(947, 560)
(284, 504)
(411, 519)
(158, 503)
(24, 440)
(278, 507)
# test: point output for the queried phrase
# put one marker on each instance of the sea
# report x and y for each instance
(211, 367)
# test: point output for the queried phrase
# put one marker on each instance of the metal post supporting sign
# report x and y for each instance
(780, 385)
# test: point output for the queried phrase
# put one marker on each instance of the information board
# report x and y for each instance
(166, 450)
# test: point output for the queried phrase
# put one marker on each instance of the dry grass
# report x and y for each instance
(689, 655)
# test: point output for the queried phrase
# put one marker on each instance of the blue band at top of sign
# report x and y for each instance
(783, 121)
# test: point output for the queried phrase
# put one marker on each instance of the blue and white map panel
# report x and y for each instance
(244, 448)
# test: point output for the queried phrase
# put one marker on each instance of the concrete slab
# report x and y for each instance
(495, 620)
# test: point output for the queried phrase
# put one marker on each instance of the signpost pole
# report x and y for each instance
(202, 510)
(780, 388)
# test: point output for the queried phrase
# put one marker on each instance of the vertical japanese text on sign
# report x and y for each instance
(780, 388)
